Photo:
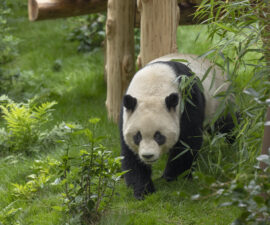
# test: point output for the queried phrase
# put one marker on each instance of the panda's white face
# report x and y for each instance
(155, 132)
(151, 113)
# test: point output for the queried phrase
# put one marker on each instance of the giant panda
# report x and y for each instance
(152, 122)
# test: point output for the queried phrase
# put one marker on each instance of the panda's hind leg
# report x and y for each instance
(225, 125)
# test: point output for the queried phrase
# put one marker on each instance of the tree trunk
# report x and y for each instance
(120, 66)
(51, 9)
(159, 21)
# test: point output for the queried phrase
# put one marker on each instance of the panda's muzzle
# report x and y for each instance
(147, 156)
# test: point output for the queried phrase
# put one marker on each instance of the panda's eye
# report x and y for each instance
(159, 138)
(137, 138)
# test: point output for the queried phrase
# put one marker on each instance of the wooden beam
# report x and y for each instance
(52, 9)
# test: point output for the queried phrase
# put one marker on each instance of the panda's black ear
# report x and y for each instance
(129, 102)
(172, 101)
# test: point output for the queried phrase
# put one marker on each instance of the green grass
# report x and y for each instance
(80, 91)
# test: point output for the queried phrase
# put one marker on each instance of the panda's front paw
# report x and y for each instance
(169, 178)
(139, 193)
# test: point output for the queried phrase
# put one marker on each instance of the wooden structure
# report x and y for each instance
(52, 9)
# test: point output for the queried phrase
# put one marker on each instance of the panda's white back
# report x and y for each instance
(199, 66)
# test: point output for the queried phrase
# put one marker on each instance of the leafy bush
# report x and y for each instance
(8, 46)
(25, 126)
(239, 50)
(89, 31)
(8, 214)
(8, 42)
(248, 191)
(242, 50)
(44, 171)
(88, 177)
(85, 176)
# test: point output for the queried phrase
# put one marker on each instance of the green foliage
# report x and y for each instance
(8, 42)
(241, 48)
(185, 88)
(25, 126)
(43, 172)
(88, 177)
(8, 214)
(237, 28)
(89, 31)
(247, 191)
(8, 46)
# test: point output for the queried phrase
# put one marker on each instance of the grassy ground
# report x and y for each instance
(80, 91)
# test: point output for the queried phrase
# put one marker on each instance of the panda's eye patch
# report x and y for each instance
(159, 138)
(137, 138)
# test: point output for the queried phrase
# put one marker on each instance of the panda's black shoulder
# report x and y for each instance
(178, 67)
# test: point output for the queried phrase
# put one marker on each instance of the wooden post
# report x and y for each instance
(159, 21)
(120, 66)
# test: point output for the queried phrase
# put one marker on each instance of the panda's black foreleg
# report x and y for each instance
(184, 152)
(139, 174)
(180, 160)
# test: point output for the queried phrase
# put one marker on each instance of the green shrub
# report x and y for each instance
(250, 192)
(241, 50)
(8, 43)
(85, 176)
(25, 126)
(9, 213)
(89, 31)
(8, 47)
(88, 176)
(44, 172)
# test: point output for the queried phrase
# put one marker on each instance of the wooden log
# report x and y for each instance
(120, 66)
(51, 9)
(159, 21)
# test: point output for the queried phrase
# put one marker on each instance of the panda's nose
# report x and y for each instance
(147, 156)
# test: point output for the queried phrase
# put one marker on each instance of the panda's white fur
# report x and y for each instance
(211, 87)
(150, 86)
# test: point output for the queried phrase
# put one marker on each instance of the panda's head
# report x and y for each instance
(151, 113)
